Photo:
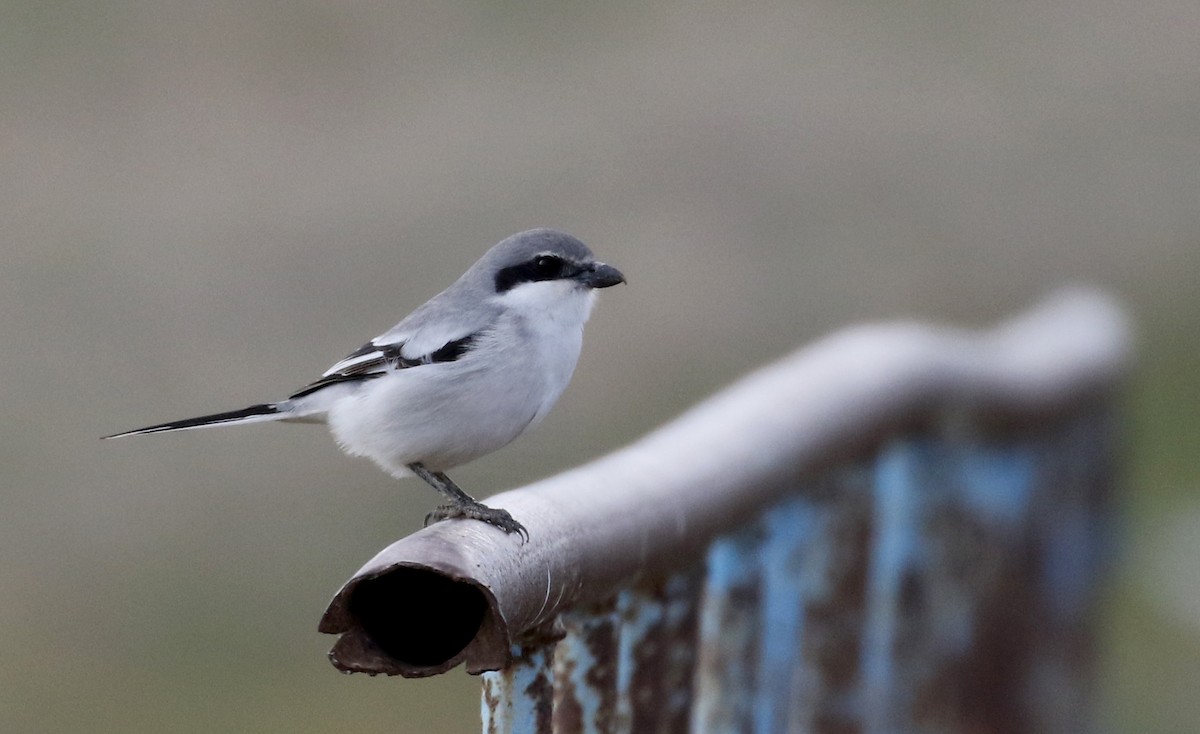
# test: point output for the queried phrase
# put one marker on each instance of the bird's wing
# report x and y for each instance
(418, 340)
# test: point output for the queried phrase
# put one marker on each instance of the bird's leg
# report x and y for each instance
(464, 505)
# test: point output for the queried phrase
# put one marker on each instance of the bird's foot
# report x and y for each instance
(478, 511)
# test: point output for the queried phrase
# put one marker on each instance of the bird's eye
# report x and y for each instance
(537, 268)
(547, 265)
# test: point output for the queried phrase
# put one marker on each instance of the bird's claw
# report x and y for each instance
(478, 511)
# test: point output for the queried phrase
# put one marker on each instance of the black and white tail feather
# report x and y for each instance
(251, 414)
(374, 359)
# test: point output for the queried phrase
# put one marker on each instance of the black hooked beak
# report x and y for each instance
(600, 275)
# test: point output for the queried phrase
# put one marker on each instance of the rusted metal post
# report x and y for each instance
(585, 670)
(657, 655)
(898, 530)
(519, 698)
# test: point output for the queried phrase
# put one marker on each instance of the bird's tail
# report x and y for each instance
(253, 414)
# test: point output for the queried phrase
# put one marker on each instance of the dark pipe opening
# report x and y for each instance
(416, 616)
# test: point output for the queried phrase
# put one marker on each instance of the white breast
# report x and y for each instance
(551, 315)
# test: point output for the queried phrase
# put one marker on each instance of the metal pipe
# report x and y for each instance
(465, 592)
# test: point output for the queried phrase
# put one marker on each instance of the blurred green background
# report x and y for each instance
(206, 204)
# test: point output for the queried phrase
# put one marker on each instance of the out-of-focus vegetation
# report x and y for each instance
(204, 205)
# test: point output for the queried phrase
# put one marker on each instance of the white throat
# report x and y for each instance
(562, 302)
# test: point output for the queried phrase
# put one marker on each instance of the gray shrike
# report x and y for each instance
(463, 375)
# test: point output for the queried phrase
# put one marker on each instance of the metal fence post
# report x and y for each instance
(900, 529)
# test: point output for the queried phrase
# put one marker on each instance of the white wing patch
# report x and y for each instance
(362, 358)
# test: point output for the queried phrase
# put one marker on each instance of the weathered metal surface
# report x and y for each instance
(657, 652)
(519, 699)
(943, 585)
(945, 581)
(937, 577)
(813, 565)
(585, 671)
(983, 570)
(626, 666)
(729, 649)
(946, 591)
(781, 615)
(1071, 537)
(651, 509)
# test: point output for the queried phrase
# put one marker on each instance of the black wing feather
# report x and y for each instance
(388, 359)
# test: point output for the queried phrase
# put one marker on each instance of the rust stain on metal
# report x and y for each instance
(729, 641)
(567, 715)
(834, 610)
(492, 701)
(541, 691)
(601, 676)
(518, 698)
(585, 670)
(664, 658)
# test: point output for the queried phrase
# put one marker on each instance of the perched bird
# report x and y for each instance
(463, 375)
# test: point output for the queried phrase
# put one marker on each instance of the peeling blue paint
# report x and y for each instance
(937, 526)
(515, 700)
(789, 532)
(729, 628)
(895, 552)
(577, 661)
(995, 482)
(1078, 541)
(639, 614)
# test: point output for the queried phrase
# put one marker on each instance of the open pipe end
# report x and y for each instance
(414, 621)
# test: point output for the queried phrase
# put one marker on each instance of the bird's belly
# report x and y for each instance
(441, 415)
